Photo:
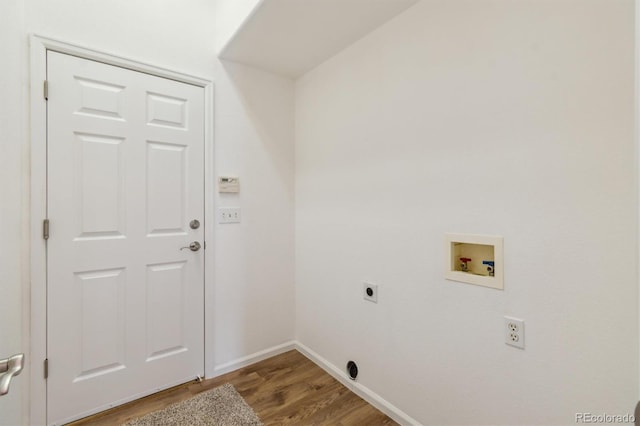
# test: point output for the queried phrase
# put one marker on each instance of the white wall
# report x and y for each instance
(255, 274)
(13, 202)
(176, 35)
(254, 133)
(254, 286)
(491, 117)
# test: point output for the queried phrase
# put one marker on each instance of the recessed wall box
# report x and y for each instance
(475, 259)
(228, 184)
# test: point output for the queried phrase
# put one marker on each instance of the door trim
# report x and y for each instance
(637, 145)
(38, 115)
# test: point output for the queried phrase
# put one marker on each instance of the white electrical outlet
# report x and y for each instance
(514, 332)
(370, 292)
(229, 215)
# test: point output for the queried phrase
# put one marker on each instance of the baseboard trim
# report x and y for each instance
(228, 367)
(362, 391)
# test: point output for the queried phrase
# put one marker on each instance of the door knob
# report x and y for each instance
(194, 246)
(9, 368)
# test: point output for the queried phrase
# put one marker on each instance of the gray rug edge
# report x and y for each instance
(222, 405)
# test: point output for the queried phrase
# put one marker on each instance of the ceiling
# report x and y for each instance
(291, 37)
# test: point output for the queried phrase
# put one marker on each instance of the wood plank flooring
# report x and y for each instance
(287, 389)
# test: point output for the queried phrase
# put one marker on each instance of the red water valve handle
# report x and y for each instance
(465, 259)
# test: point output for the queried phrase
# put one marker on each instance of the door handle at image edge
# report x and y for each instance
(9, 368)
(194, 246)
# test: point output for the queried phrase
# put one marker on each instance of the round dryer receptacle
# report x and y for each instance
(352, 370)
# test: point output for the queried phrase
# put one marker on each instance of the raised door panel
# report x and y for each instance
(167, 111)
(166, 190)
(166, 297)
(101, 316)
(100, 99)
(100, 179)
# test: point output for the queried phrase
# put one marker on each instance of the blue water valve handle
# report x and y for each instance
(490, 266)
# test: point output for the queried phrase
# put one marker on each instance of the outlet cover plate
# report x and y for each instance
(514, 332)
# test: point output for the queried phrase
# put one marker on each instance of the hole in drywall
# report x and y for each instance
(352, 370)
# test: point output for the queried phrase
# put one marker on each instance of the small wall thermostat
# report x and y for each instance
(228, 184)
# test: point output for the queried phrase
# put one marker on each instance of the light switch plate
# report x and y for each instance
(229, 215)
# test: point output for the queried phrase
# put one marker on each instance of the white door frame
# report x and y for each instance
(637, 139)
(38, 113)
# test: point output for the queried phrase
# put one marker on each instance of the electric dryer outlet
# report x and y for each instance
(370, 292)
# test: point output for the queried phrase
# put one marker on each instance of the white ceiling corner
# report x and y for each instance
(291, 37)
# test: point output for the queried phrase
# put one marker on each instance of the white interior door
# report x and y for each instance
(125, 179)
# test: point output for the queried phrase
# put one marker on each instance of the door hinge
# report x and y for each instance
(46, 90)
(46, 368)
(45, 229)
(205, 245)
